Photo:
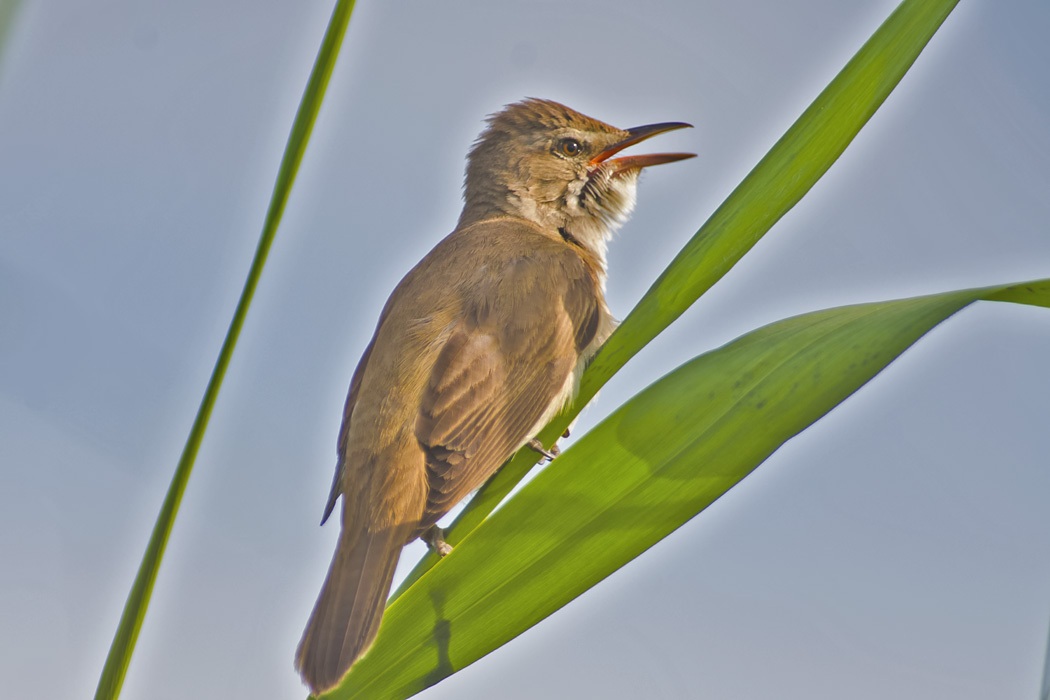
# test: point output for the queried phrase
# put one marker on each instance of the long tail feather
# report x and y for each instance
(346, 617)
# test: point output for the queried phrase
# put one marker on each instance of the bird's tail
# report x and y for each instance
(346, 616)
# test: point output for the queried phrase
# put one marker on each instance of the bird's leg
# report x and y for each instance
(537, 446)
(434, 536)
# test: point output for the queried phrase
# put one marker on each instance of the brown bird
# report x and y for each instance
(478, 347)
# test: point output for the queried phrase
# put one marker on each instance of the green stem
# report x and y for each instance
(112, 679)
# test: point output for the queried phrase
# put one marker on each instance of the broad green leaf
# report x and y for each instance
(794, 164)
(120, 650)
(652, 465)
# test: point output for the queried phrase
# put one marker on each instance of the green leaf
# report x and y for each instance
(120, 650)
(8, 12)
(794, 164)
(1044, 694)
(652, 465)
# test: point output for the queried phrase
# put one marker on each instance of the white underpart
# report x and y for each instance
(594, 232)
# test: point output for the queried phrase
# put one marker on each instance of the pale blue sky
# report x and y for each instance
(898, 549)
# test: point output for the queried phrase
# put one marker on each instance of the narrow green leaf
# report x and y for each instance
(120, 650)
(660, 459)
(1044, 694)
(8, 12)
(769, 191)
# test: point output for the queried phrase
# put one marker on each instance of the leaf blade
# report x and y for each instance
(791, 167)
(560, 534)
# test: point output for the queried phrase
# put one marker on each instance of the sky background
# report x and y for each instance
(898, 548)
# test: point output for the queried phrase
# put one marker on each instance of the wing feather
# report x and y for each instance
(506, 367)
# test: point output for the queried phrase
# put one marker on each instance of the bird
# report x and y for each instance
(479, 346)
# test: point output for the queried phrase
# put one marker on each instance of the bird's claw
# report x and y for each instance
(434, 536)
(537, 446)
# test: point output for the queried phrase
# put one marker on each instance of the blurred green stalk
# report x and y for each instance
(123, 645)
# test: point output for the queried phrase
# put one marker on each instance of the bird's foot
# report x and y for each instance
(434, 536)
(537, 446)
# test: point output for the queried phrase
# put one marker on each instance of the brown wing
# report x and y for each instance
(348, 410)
(504, 369)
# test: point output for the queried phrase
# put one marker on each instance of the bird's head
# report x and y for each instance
(541, 161)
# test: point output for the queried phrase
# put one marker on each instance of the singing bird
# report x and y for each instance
(478, 347)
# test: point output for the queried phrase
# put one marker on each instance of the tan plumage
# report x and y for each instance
(478, 347)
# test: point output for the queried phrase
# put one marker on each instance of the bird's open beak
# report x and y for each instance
(637, 135)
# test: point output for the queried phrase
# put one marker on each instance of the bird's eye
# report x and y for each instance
(569, 147)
